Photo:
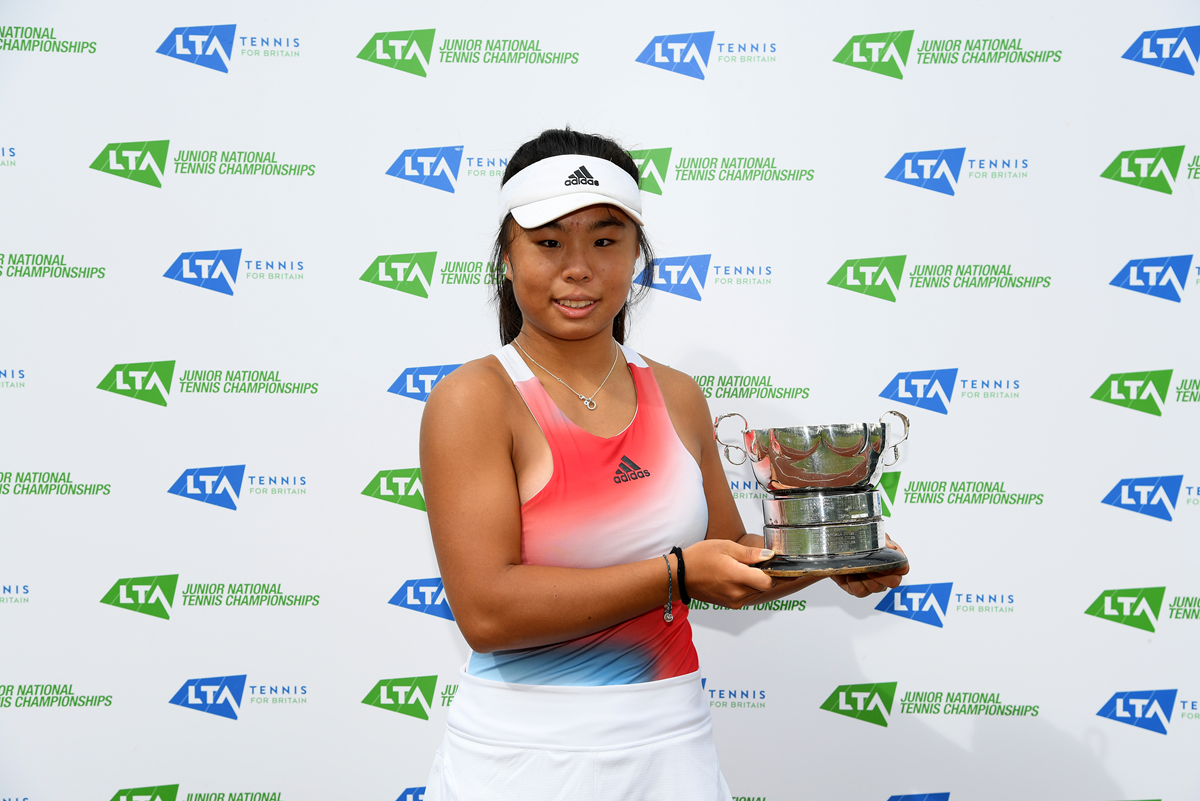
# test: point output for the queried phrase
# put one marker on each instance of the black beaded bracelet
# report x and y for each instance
(683, 593)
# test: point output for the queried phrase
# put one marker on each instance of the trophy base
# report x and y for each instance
(882, 561)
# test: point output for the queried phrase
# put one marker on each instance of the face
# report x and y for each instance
(572, 276)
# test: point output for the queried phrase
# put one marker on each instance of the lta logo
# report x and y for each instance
(1138, 608)
(921, 797)
(423, 595)
(219, 486)
(435, 167)
(682, 275)
(936, 170)
(147, 595)
(681, 53)
(653, 166)
(159, 792)
(411, 696)
(144, 381)
(398, 486)
(1143, 709)
(870, 703)
(405, 272)
(218, 695)
(1155, 496)
(881, 53)
(925, 389)
(877, 278)
(144, 162)
(1172, 49)
(418, 382)
(924, 603)
(216, 270)
(407, 51)
(1164, 277)
(1155, 168)
(1142, 391)
(202, 45)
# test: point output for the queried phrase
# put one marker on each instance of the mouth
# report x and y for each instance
(575, 304)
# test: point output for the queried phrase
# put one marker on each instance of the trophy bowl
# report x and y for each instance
(824, 516)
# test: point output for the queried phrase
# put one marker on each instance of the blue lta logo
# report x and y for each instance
(435, 167)
(1155, 496)
(418, 382)
(216, 270)
(426, 595)
(1172, 49)
(924, 603)
(218, 695)
(936, 170)
(682, 275)
(202, 45)
(1143, 709)
(681, 53)
(1164, 277)
(925, 389)
(219, 486)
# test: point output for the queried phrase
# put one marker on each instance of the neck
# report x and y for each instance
(583, 358)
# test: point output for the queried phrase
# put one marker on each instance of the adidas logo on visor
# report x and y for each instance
(628, 471)
(581, 176)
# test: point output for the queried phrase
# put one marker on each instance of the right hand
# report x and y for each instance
(719, 572)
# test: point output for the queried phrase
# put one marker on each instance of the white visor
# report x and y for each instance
(550, 188)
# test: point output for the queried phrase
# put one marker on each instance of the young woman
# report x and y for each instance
(592, 471)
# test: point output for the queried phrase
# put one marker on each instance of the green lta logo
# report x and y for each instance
(876, 278)
(407, 51)
(889, 482)
(405, 272)
(144, 381)
(398, 486)
(871, 703)
(144, 162)
(1142, 392)
(147, 595)
(652, 168)
(1138, 607)
(881, 53)
(411, 696)
(161, 792)
(1155, 168)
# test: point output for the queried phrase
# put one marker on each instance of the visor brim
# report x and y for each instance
(540, 212)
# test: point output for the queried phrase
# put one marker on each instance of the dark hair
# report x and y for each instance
(561, 142)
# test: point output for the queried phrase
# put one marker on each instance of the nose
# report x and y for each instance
(577, 266)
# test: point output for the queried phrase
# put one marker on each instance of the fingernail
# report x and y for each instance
(766, 553)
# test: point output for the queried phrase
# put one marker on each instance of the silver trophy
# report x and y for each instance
(824, 516)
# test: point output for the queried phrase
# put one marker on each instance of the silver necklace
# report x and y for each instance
(587, 401)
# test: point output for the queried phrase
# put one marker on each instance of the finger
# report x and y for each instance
(751, 556)
(752, 577)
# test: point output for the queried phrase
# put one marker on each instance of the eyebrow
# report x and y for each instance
(608, 222)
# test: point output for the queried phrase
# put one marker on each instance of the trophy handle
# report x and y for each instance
(716, 436)
(896, 445)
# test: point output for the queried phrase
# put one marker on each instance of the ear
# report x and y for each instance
(637, 256)
(504, 259)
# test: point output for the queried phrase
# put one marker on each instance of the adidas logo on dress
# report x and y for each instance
(581, 176)
(628, 471)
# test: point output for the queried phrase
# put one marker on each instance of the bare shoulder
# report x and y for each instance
(477, 392)
(683, 396)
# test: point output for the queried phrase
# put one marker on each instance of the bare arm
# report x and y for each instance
(471, 494)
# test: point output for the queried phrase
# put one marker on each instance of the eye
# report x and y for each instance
(604, 242)
(550, 243)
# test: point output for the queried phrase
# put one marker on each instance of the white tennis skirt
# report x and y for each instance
(536, 743)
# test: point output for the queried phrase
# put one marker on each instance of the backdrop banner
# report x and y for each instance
(241, 242)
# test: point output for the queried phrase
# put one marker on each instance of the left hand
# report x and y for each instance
(860, 585)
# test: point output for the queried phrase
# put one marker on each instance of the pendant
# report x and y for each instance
(667, 616)
(588, 402)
